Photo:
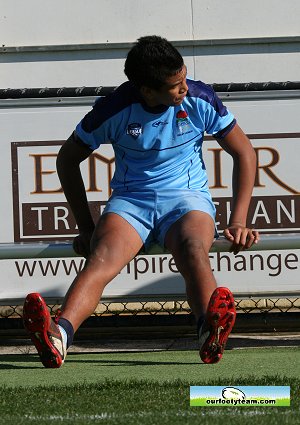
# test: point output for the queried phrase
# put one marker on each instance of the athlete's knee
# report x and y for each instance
(191, 256)
(103, 242)
(102, 251)
(193, 248)
(97, 244)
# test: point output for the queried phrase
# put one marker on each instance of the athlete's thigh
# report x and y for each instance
(194, 227)
(115, 240)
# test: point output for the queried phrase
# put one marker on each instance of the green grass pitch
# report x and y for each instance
(143, 388)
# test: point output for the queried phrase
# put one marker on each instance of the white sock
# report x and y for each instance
(64, 336)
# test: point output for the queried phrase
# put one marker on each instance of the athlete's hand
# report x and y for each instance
(241, 237)
(82, 243)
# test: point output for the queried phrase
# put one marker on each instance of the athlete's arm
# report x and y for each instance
(71, 154)
(237, 144)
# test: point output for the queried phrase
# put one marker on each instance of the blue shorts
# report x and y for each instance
(152, 212)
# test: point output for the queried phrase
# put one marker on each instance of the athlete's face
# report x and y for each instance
(172, 92)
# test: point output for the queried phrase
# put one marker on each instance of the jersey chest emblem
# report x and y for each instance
(183, 123)
(134, 129)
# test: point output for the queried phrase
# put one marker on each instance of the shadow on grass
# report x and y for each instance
(16, 361)
(72, 358)
(260, 342)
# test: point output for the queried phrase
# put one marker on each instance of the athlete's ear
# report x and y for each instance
(147, 93)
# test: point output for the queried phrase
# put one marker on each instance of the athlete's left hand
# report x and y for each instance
(241, 237)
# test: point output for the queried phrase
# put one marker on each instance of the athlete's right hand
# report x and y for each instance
(82, 244)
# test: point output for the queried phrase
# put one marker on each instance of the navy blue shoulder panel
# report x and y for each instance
(200, 90)
(106, 107)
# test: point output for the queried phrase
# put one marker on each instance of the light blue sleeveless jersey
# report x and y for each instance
(156, 148)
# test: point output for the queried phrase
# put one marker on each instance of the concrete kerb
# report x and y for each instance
(235, 342)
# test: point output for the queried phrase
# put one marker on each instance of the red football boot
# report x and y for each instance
(43, 331)
(218, 323)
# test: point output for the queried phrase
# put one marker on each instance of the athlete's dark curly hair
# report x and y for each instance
(151, 60)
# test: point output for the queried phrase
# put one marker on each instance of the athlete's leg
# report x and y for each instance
(189, 240)
(115, 242)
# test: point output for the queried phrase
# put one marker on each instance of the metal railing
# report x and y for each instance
(27, 250)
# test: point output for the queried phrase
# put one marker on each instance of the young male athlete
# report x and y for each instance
(155, 122)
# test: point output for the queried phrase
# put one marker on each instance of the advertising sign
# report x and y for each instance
(34, 208)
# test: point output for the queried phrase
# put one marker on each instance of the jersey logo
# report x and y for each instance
(134, 129)
(158, 123)
(183, 123)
